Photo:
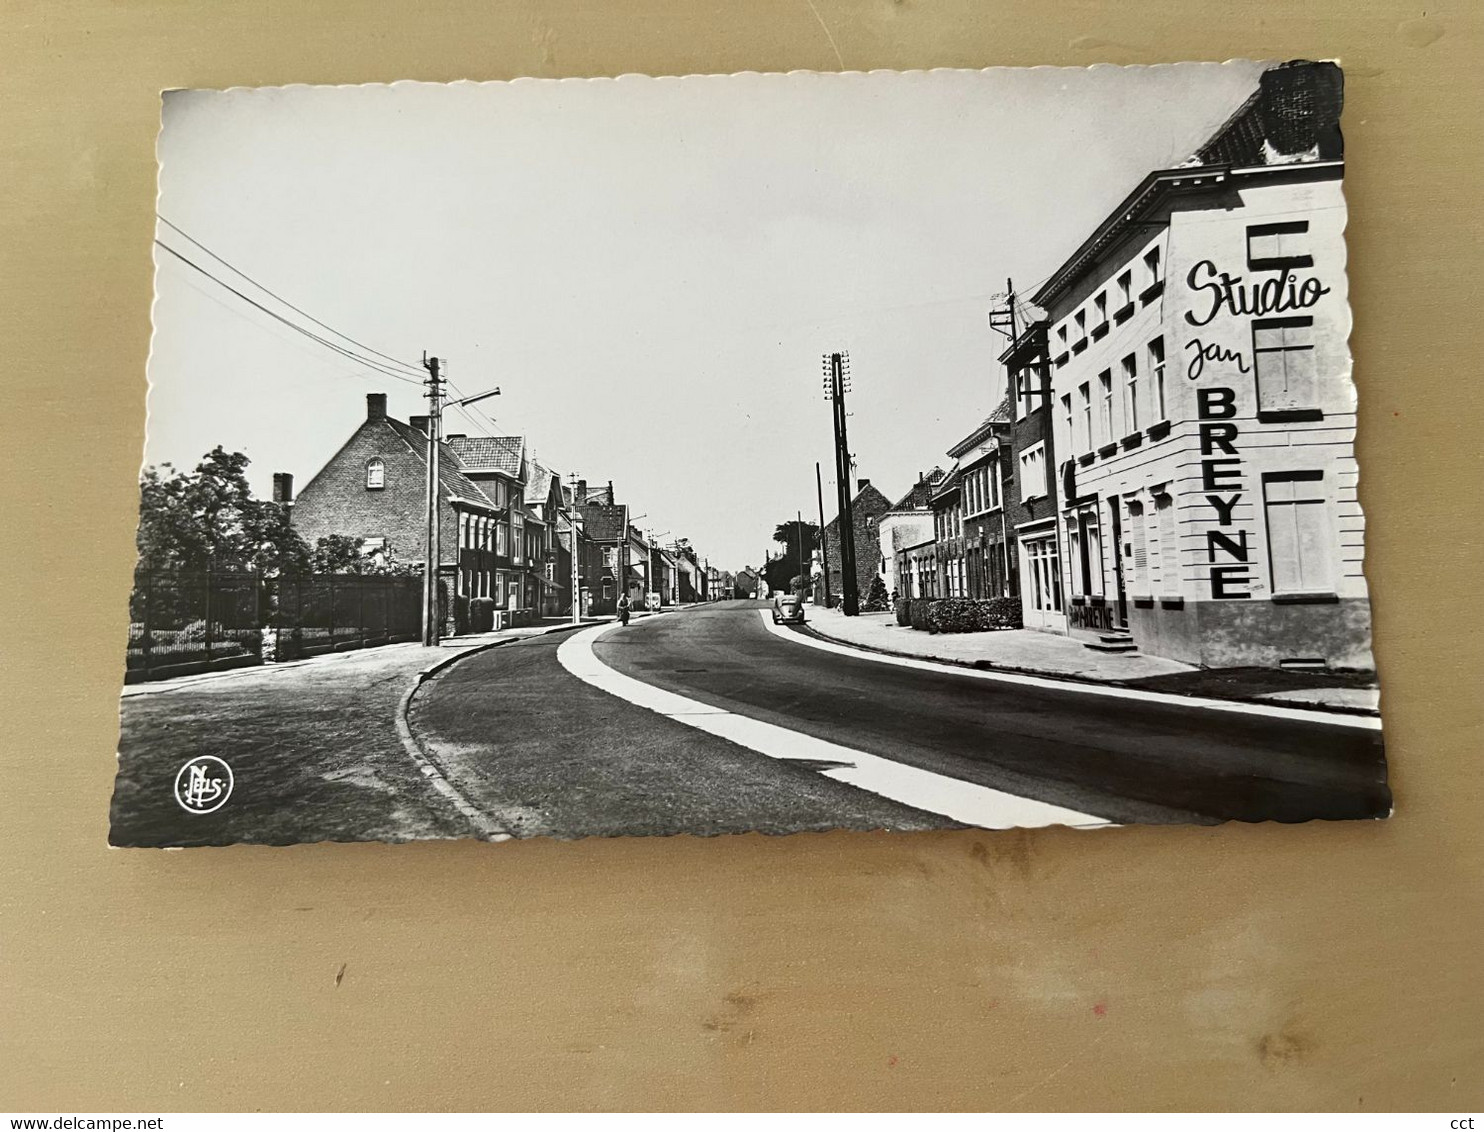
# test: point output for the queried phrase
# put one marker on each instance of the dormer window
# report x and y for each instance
(375, 473)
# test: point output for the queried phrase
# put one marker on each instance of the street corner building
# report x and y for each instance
(500, 514)
(1203, 415)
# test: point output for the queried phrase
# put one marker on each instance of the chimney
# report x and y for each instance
(581, 492)
(456, 436)
(422, 424)
(861, 485)
(610, 493)
(376, 406)
(283, 483)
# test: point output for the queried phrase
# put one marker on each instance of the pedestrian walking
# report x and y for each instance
(623, 610)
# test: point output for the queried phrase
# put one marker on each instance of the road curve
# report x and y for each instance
(1127, 760)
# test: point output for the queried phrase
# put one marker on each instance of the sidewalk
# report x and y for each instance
(1048, 654)
(461, 643)
(315, 756)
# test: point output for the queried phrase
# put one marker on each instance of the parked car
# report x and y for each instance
(652, 602)
(788, 607)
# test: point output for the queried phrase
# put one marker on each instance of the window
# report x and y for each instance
(1169, 549)
(1061, 337)
(1044, 572)
(994, 481)
(1273, 247)
(1105, 405)
(502, 540)
(1153, 269)
(1300, 544)
(1033, 471)
(1157, 369)
(1066, 416)
(1090, 547)
(1126, 289)
(1131, 386)
(1139, 541)
(1100, 307)
(1283, 349)
(1080, 318)
(1086, 404)
(375, 473)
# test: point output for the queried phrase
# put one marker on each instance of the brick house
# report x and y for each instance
(867, 508)
(623, 551)
(976, 545)
(498, 466)
(1031, 492)
(550, 572)
(374, 488)
(909, 523)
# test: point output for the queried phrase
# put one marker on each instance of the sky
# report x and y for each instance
(648, 269)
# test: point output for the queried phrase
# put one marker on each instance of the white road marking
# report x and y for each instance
(959, 801)
(1237, 707)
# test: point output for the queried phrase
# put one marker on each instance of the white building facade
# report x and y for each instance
(1205, 421)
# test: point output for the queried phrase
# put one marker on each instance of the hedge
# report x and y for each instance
(959, 614)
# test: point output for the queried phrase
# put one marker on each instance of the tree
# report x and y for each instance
(877, 600)
(340, 554)
(208, 519)
(782, 571)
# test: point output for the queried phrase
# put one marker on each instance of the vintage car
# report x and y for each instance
(788, 607)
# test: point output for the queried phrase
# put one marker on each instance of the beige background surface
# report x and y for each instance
(1318, 966)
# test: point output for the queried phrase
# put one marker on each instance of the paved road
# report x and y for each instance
(1122, 759)
(548, 754)
(542, 753)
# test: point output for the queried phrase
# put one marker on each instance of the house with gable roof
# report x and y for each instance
(908, 524)
(374, 488)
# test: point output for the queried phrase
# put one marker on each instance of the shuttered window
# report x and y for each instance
(1300, 539)
(1284, 351)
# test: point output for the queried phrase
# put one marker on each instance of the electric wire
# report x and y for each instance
(268, 290)
(290, 323)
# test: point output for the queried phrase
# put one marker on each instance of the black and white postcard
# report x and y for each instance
(758, 452)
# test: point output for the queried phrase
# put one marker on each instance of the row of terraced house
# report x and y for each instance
(509, 524)
(1171, 465)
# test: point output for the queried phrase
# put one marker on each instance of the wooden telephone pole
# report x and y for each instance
(432, 629)
(824, 545)
(837, 384)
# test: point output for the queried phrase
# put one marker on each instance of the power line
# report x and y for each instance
(299, 310)
(290, 323)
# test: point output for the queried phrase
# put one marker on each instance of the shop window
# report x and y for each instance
(375, 473)
(1274, 247)
(1300, 533)
(1283, 349)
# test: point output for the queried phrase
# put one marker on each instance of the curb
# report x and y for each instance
(1070, 678)
(487, 829)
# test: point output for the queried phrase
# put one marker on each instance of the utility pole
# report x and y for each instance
(824, 548)
(799, 540)
(837, 384)
(1004, 320)
(572, 529)
(436, 367)
(431, 627)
